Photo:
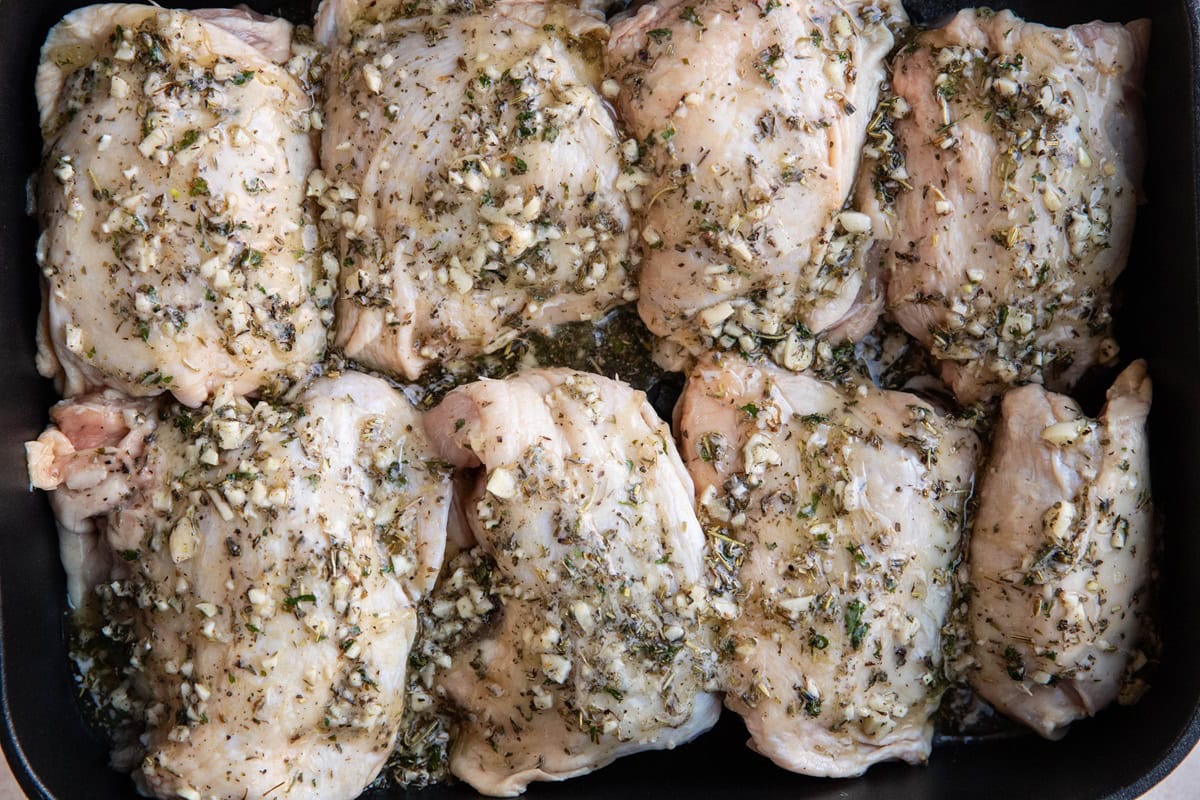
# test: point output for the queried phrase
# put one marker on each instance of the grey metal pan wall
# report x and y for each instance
(1119, 754)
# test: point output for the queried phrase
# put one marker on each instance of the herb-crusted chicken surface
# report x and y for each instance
(177, 249)
(262, 563)
(475, 176)
(1024, 149)
(1061, 556)
(835, 516)
(599, 648)
(291, 577)
(749, 120)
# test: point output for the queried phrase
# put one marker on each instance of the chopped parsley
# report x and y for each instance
(855, 627)
(292, 602)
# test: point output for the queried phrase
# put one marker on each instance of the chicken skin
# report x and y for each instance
(749, 119)
(839, 512)
(178, 250)
(1024, 149)
(264, 563)
(600, 648)
(1061, 555)
(475, 177)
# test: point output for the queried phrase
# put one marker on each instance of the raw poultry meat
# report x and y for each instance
(178, 250)
(584, 511)
(1061, 555)
(1024, 148)
(748, 120)
(475, 177)
(263, 563)
(836, 514)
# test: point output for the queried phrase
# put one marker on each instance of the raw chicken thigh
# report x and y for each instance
(585, 510)
(256, 563)
(1024, 149)
(1061, 554)
(750, 119)
(840, 511)
(263, 562)
(178, 249)
(475, 176)
(89, 460)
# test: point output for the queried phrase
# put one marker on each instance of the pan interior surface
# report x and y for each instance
(1121, 753)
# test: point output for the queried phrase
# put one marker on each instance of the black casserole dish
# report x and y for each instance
(1122, 753)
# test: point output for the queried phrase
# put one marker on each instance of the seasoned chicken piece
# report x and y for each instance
(264, 562)
(178, 249)
(1024, 151)
(881, 177)
(1061, 553)
(477, 182)
(271, 36)
(749, 120)
(584, 509)
(90, 454)
(844, 509)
